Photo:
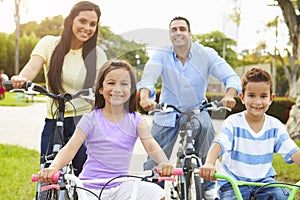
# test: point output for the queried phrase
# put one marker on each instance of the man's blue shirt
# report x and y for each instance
(185, 86)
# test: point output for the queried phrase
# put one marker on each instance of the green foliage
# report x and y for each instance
(17, 164)
(286, 173)
(48, 26)
(3, 50)
(218, 41)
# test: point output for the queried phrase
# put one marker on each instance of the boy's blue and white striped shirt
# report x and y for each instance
(248, 155)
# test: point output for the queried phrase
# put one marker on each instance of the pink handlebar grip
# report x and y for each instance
(177, 171)
(55, 177)
(34, 178)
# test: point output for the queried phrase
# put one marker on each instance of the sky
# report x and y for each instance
(147, 21)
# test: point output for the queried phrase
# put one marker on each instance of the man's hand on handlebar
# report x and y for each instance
(147, 104)
(228, 102)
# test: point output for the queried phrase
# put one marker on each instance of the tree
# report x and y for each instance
(292, 19)
(218, 41)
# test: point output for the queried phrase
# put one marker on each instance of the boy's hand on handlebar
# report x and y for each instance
(207, 171)
(45, 175)
(165, 169)
(147, 104)
(18, 81)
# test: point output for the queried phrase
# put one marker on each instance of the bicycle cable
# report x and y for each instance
(121, 176)
(255, 192)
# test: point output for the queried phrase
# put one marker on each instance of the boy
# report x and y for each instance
(248, 141)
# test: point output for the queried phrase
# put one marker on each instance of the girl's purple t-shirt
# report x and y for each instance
(109, 145)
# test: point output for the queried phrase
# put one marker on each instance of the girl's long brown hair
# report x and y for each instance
(63, 47)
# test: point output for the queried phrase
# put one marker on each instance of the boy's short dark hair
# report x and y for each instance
(256, 74)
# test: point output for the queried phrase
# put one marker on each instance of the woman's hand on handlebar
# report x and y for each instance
(147, 104)
(18, 81)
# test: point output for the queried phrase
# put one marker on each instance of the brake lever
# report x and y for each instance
(90, 96)
(30, 90)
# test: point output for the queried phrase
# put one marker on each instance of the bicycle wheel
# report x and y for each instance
(177, 191)
(199, 187)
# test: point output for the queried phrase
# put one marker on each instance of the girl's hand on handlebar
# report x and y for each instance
(18, 81)
(207, 171)
(165, 169)
(45, 175)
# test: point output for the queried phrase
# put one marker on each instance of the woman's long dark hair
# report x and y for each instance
(107, 67)
(63, 47)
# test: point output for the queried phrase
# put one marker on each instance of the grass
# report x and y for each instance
(19, 99)
(18, 163)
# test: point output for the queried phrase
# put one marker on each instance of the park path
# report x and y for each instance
(22, 125)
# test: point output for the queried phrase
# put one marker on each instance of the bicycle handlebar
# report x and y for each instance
(167, 108)
(236, 183)
(153, 174)
(33, 89)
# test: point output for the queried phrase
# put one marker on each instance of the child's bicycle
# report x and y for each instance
(60, 140)
(236, 183)
(189, 185)
(78, 188)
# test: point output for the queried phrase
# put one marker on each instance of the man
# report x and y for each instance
(185, 68)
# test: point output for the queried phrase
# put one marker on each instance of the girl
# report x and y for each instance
(110, 132)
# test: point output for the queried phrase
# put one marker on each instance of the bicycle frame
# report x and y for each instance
(59, 138)
(188, 159)
(236, 183)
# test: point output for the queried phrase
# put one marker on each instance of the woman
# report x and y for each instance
(70, 62)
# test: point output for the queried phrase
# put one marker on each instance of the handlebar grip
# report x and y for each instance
(8, 85)
(158, 106)
(177, 171)
(55, 177)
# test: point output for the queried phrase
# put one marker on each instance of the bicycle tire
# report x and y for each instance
(199, 186)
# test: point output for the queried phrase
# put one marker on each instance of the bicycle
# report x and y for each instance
(236, 183)
(148, 175)
(60, 140)
(189, 185)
